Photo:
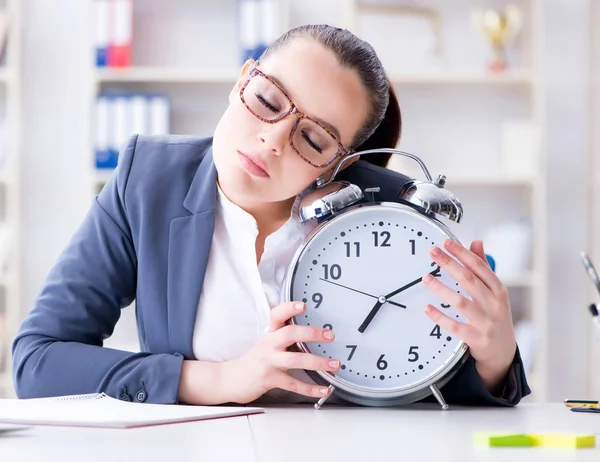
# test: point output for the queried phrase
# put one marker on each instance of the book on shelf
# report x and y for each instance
(260, 23)
(113, 32)
(120, 115)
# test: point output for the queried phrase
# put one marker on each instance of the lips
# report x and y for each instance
(258, 164)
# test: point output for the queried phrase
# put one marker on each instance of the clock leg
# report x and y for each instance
(320, 403)
(438, 395)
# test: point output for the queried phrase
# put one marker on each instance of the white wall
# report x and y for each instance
(566, 72)
(56, 161)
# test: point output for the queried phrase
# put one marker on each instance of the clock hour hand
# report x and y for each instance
(364, 293)
(370, 317)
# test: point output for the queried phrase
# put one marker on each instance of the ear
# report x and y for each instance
(327, 174)
(242, 77)
(349, 163)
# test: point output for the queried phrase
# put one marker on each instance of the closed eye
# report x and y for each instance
(266, 104)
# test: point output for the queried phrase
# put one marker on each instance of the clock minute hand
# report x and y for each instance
(435, 272)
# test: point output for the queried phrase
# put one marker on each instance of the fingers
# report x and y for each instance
(291, 334)
(475, 276)
(457, 301)
(281, 314)
(477, 249)
(287, 382)
(461, 330)
(306, 361)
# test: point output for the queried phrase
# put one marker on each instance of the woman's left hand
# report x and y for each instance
(489, 331)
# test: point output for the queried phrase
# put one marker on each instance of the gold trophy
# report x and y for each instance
(498, 28)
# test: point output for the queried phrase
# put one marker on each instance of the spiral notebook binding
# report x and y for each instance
(87, 397)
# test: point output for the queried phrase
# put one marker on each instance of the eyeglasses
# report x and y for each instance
(312, 141)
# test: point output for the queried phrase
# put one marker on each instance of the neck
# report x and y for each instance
(269, 216)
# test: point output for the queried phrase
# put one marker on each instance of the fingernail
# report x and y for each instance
(427, 279)
(324, 391)
(435, 251)
(299, 306)
(334, 363)
(428, 309)
(328, 334)
(448, 242)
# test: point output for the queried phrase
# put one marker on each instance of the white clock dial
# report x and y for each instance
(344, 274)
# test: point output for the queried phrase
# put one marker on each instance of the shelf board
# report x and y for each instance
(519, 77)
(488, 180)
(101, 176)
(6, 75)
(526, 281)
(159, 74)
(167, 75)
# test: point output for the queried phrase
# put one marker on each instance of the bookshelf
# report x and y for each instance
(10, 280)
(442, 109)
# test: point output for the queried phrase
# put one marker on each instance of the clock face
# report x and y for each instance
(360, 275)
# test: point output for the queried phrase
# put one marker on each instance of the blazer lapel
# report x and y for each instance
(189, 246)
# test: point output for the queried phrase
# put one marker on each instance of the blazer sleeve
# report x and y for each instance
(466, 387)
(58, 349)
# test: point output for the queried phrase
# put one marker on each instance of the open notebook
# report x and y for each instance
(100, 410)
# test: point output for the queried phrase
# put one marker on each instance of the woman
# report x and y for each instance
(199, 231)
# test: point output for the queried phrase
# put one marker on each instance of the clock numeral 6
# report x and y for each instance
(335, 271)
(353, 347)
(317, 298)
(384, 235)
(412, 351)
(382, 363)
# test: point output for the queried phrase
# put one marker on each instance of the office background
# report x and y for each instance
(519, 146)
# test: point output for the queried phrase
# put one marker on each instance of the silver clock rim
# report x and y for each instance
(418, 390)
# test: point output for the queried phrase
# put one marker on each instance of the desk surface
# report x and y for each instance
(299, 433)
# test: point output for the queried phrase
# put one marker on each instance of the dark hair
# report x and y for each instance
(383, 125)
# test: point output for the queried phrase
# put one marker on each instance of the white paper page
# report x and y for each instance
(99, 410)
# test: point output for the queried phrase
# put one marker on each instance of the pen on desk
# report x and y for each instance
(591, 271)
(595, 317)
(581, 403)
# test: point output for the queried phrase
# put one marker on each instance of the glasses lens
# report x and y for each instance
(267, 101)
(314, 143)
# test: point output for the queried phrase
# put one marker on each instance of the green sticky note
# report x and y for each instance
(496, 439)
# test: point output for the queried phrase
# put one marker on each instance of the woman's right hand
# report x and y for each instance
(265, 366)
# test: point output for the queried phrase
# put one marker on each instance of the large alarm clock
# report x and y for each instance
(359, 273)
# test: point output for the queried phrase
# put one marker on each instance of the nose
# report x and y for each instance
(276, 136)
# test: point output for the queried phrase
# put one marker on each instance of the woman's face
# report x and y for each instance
(320, 88)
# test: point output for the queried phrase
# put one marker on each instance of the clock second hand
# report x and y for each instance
(364, 293)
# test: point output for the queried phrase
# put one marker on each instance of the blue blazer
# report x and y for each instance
(147, 237)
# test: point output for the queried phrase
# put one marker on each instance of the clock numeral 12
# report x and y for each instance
(386, 237)
(348, 246)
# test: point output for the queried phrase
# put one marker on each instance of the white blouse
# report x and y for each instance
(237, 294)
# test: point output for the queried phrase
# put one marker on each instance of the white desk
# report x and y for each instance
(299, 433)
(227, 439)
(419, 433)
